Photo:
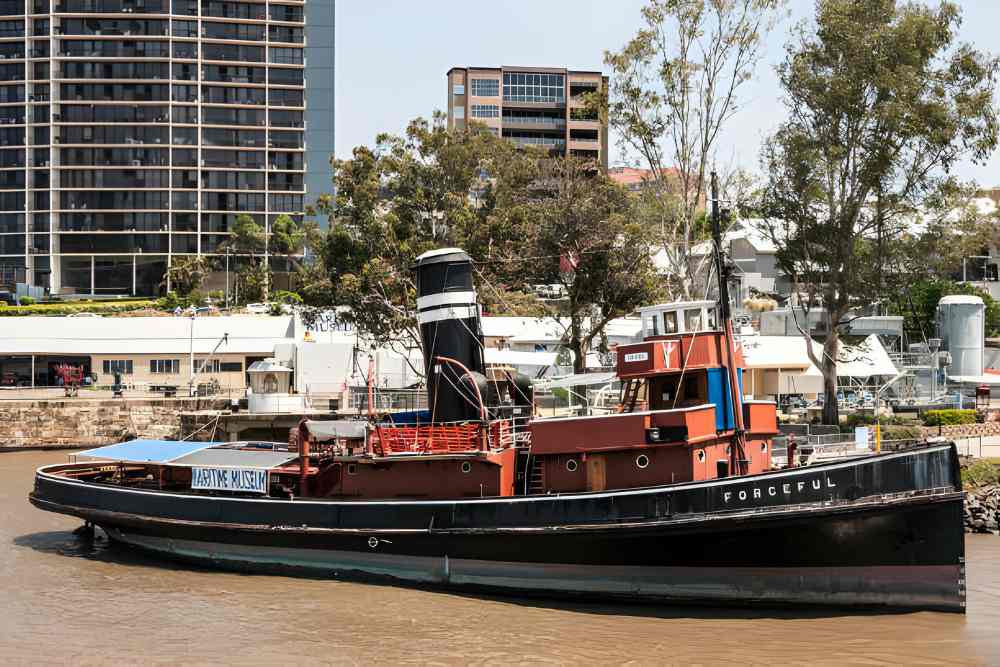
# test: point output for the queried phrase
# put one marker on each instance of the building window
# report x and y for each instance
(458, 89)
(459, 112)
(485, 111)
(526, 87)
(165, 366)
(123, 366)
(486, 87)
(211, 366)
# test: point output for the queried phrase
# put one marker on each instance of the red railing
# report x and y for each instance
(439, 438)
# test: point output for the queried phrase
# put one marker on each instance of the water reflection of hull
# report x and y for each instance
(881, 530)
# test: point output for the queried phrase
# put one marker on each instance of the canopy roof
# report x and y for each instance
(147, 451)
(867, 359)
(580, 379)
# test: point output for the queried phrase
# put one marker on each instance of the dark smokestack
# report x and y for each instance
(449, 327)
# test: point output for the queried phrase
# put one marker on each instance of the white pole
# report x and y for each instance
(191, 360)
(267, 268)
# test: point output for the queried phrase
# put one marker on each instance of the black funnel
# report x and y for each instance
(449, 327)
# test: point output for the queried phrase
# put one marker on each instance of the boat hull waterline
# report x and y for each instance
(873, 531)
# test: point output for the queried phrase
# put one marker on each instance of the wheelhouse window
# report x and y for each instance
(670, 322)
(692, 319)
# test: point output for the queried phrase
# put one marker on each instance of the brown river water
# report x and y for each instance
(64, 601)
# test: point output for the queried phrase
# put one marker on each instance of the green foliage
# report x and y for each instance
(427, 189)
(902, 433)
(187, 274)
(917, 303)
(196, 298)
(858, 419)
(284, 296)
(882, 103)
(983, 472)
(576, 219)
(246, 237)
(674, 87)
(217, 296)
(27, 301)
(949, 417)
(171, 301)
(250, 281)
(69, 308)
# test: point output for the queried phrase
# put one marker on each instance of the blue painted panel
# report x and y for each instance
(155, 451)
(719, 394)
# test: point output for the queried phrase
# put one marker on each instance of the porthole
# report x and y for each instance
(701, 456)
(642, 461)
(466, 466)
(763, 448)
(352, 468)
(571, 465)
(729, 450)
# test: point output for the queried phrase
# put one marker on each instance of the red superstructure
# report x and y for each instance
(678, 421)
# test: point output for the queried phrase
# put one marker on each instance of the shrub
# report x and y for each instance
(981, 473)
(27, 301)
(949, 417)
(170, 302)
(284, 296)
(217, 296)
(902, 433)
(67, 308)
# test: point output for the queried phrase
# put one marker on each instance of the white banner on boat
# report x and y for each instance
(245, 480)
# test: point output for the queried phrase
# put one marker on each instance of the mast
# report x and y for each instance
(737, 457)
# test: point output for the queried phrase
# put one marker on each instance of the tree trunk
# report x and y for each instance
(831, 411)
(579, 350)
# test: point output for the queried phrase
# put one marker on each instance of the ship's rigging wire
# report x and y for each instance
(680, 381)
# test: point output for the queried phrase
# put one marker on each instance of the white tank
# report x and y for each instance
(961, 324)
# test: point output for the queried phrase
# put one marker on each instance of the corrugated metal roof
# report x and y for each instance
(248, 334)
(236, 458)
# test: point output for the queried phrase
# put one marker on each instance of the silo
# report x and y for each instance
(961, 323)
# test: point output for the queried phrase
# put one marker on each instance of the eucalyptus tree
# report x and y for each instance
(882, 102)
(674, 87)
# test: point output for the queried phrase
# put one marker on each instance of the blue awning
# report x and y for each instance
(152, 451)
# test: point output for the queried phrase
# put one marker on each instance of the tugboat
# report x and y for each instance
(672, 498)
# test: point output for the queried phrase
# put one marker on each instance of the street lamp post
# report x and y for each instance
(267, 268)
(191, 358)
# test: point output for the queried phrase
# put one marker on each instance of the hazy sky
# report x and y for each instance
(392, 56)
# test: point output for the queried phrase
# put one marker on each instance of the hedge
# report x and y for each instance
(949, 417)
(69, 308)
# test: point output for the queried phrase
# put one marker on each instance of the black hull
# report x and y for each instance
(883, 530)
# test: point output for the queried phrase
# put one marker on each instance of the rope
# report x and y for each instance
(680, 381)
(213, 424)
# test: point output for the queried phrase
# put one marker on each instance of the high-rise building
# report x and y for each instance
(540, 106)
(133, 132)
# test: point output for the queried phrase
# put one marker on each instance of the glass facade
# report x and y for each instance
(486, 87)
(135, 131)
(485, 111)
(528, 87)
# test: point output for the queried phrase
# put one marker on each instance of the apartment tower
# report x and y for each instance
(133, 132)
(540, 106)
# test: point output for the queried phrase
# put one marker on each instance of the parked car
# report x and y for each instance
(259, 308)
(83, 315)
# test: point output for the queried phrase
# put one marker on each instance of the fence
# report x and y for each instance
(387, 400)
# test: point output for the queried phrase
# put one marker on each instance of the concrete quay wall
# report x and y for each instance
(90, 423)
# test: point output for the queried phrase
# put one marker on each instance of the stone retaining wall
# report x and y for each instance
(81, 422)
(962, 430)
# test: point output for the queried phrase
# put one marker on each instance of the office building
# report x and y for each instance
(539, 106)
(133, 132)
